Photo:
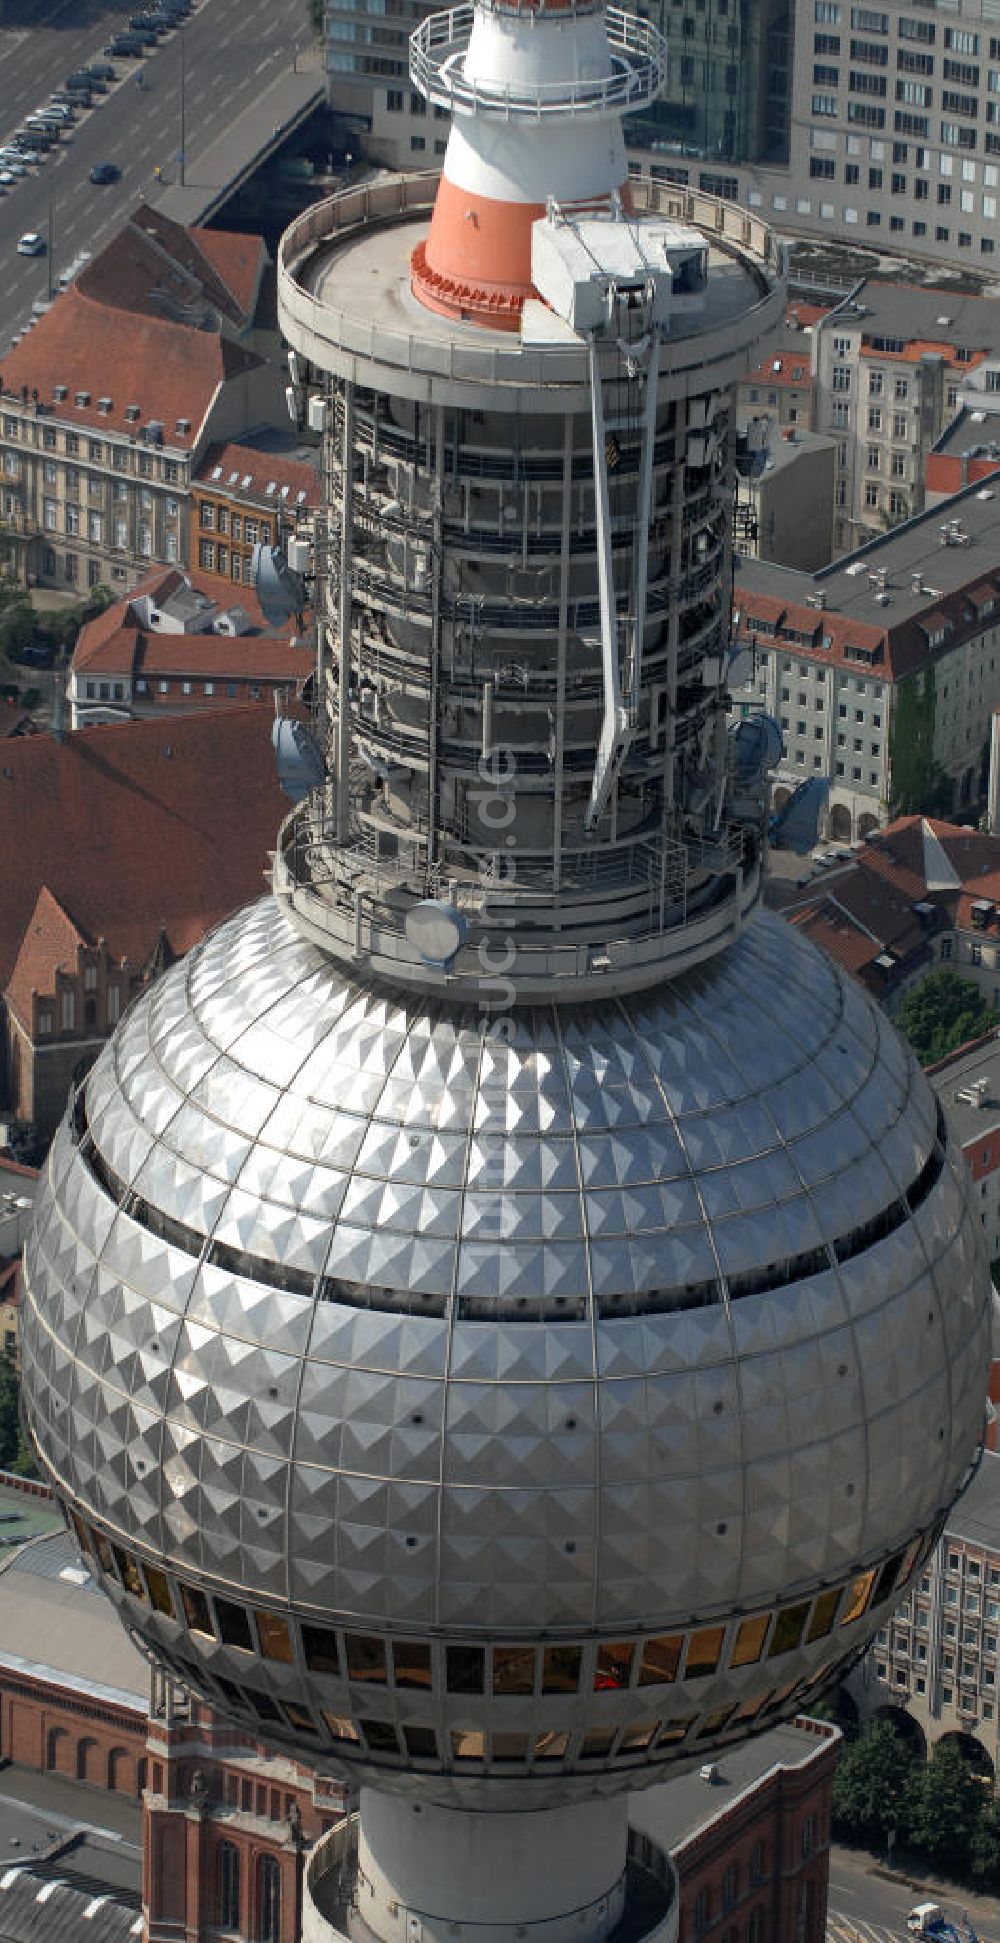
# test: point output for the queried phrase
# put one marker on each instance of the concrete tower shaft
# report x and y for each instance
(524, 586)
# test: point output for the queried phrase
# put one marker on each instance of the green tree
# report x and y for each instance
(17, 628)
(919, 784)
(947, 1807)
(314, 14)
(873, 1787)
(942, 1012)
(10, 1435)
(984, 1849)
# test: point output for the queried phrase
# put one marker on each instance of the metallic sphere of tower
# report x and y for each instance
(504, 1316)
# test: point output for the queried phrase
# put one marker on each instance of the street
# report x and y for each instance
(866, 1908)
(231, 49)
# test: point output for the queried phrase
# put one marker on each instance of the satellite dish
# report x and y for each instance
(796, 825)
(299, 759)
(755, 746)
(436, 931)
(281, 592)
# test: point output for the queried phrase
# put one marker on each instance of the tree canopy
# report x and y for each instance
(942, 1012)
(937, 1811)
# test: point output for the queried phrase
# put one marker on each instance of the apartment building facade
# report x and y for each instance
(108, 402)
(883, 669)
(938, 1661)
(242, 495)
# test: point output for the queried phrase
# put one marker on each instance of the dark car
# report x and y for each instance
(79, 78)
(139, 25)
(104, 172)
(163, 22)
(128, 45)
(101, 71)
(37, 654)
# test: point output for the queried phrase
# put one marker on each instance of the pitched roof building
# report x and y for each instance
(122, 846)
(882, 669)
(108, 402)
(183, 642)
(919, 895)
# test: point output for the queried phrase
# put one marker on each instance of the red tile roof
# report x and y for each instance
(156, 267)
(138, 825)
(783, 368)
(114, 643)
(169, 370)
(261, 468)
(50, 941)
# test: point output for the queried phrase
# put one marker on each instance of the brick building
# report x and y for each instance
(180, 644)
(122, 846)
(241, 494)
(107, 404)
(919, 895)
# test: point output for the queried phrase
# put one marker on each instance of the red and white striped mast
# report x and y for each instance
(537, 90)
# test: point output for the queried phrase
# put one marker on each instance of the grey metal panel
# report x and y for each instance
(519, 1460)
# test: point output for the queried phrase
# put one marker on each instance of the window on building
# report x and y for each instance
(268, 1900)
(230, 1910)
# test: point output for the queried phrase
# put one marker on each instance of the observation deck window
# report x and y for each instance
(319, 1645)
(340, 1728)
(660, 1660)
(381, 1736)
(468, 1744)
(466, 1669)
(234, 1625)
(824, 1614)
(704, 1652)
(196, 1611)
(749, 1643)
(411, 1663)
(551, 1747)
(788, 1629)
(275, 1637)
(561, 1669)
(421, 1743)
(858, 1597)
(614, 1666)
(513, 1670)
(366, 1658)
(158, 1586)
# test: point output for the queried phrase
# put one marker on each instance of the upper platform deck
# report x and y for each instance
(345, 303)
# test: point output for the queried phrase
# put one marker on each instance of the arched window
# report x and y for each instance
(229, 1886)
(269, 1900)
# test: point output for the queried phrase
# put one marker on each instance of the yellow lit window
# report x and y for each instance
(275, 1637)
(704, 1649)
(858, 1595)
(749, 1642)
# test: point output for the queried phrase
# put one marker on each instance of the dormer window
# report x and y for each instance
(82, 397)
(104, 405)
(132, 413)
(59, 392)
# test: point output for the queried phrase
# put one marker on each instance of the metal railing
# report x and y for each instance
(637, 72)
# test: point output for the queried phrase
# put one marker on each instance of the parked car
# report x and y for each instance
(31, 244)
(101, 71)
(104, 172)
(26, 151)
(11, 161)
(139, 25)
(162, 22)
(78, 79)
(128, 45)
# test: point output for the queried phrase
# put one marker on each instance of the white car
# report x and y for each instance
(7, 178)
(13, 166)
(31, 244)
